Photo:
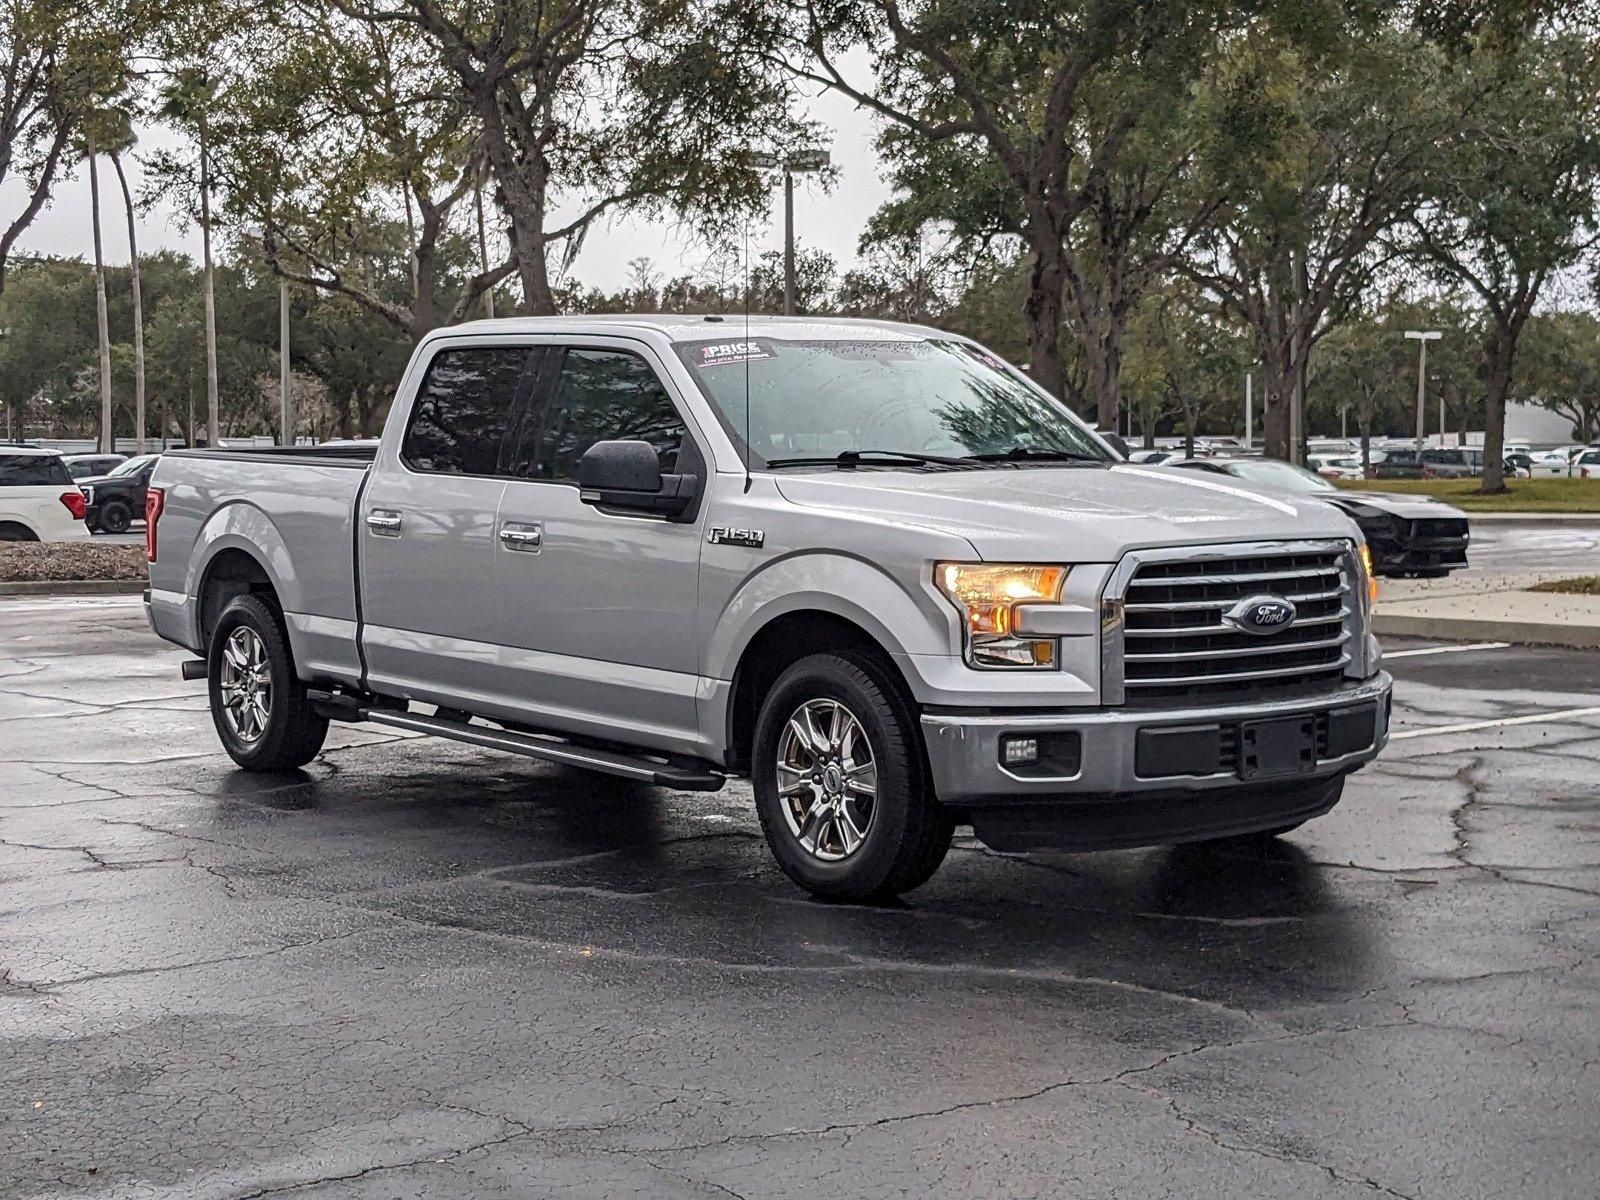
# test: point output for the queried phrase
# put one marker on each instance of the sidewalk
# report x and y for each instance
(1494, 608)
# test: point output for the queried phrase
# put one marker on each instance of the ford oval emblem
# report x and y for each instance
(1261, 615)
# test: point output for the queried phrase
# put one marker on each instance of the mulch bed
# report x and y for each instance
(24, 562)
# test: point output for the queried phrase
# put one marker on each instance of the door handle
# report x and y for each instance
(524, 537)
(384, 522)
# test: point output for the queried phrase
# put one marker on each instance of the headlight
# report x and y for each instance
(1365, 554)
(988, 596)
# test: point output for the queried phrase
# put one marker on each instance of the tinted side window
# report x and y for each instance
(32, 470)
(601, 395)
(465, 405)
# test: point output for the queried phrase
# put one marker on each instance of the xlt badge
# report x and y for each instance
(721, 535)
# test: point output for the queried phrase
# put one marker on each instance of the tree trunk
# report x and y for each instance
(1501, 352)
(108, 439)
(1043, 312)
(213, 414)
(138, 310)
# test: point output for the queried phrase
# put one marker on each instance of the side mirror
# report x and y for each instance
(627, 475)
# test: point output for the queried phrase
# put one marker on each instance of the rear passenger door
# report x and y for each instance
(598, 610)
(426, 527)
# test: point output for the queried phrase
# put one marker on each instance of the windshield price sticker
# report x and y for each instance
(713, 354)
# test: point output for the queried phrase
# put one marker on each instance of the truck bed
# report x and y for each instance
(292, 509)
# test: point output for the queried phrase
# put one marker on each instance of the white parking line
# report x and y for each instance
(1446, 649)
(1559, 714)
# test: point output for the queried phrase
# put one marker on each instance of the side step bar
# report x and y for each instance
(549, 749)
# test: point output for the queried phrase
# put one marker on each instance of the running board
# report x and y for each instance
(643, 770)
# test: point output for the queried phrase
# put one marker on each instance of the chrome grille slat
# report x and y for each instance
(1187, 605)
(1168, 642)
(1217, 580)
(1274, 673)
(1196, 630)
(1240, 652)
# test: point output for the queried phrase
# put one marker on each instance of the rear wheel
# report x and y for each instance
(10, 531)
(258, 703)
(840, 783)
(116, 517)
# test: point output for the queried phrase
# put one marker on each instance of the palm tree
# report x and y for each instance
(107, 434)
(187, 102)
(120, 138)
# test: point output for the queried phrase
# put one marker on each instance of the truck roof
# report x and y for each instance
(694, 327)
(32, 451)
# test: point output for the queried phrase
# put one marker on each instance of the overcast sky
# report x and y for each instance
(830, 222)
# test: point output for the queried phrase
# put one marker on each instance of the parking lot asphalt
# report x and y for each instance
(421, 969)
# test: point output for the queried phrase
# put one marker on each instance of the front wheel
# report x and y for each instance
(116, 517)
(840, 782)
(258, 703)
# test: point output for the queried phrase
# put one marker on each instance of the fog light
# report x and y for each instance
(1019, 751)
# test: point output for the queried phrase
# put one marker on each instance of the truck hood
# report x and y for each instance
(1069, 514)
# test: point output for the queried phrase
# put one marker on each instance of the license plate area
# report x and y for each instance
(1281, 747)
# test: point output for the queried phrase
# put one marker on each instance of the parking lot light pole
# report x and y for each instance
(797, 163)
(1422, 338)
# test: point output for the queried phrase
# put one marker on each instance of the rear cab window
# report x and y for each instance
(463, 420)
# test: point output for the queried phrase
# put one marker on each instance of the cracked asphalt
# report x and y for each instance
(418, 969)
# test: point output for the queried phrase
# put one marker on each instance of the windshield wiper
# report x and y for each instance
(873, 458)
(1035, 454)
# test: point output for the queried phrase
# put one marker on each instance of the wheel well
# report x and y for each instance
(780, 643)
(231, 573)
(23, 533)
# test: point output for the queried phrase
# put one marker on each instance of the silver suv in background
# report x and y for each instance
(871, 566)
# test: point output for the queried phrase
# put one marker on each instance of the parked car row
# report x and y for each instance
(46, 496)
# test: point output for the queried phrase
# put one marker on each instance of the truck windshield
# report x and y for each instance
(921, 399)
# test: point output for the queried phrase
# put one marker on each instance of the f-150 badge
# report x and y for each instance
(721, 535)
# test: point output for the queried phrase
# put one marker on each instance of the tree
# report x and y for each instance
(1512, 199)
(1320, 158)
(1559, 364)
(1049, 123)
(345, 133)
(44, 56)
(682, 110)
(186, 102)
(119, 139)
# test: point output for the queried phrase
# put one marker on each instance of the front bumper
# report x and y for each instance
(1112, 753)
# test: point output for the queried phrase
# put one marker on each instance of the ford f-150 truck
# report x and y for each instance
(870, 566)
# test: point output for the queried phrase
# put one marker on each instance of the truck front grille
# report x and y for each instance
(1171, 645)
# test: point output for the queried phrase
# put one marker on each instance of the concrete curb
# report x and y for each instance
(1485, 629)
(74, 587)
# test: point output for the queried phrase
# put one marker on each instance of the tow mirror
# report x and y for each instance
(627, 475)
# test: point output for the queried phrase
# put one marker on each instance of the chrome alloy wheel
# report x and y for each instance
(246, 682)
(827, 779)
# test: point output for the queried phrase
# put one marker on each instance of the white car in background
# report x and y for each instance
(1335, 466)
(1587, 464)
(39, 499)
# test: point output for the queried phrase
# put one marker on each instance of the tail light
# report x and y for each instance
(155, 500)
(76, 504)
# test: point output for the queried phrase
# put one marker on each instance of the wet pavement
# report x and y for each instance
(421, 969)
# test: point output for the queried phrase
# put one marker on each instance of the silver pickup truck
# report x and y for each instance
(870, 566)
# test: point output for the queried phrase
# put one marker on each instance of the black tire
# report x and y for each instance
(10, 531)
(115, 517)
(291, 733)
(908, 833)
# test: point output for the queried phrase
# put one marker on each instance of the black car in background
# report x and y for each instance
(1407, 535)
(116, 500)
